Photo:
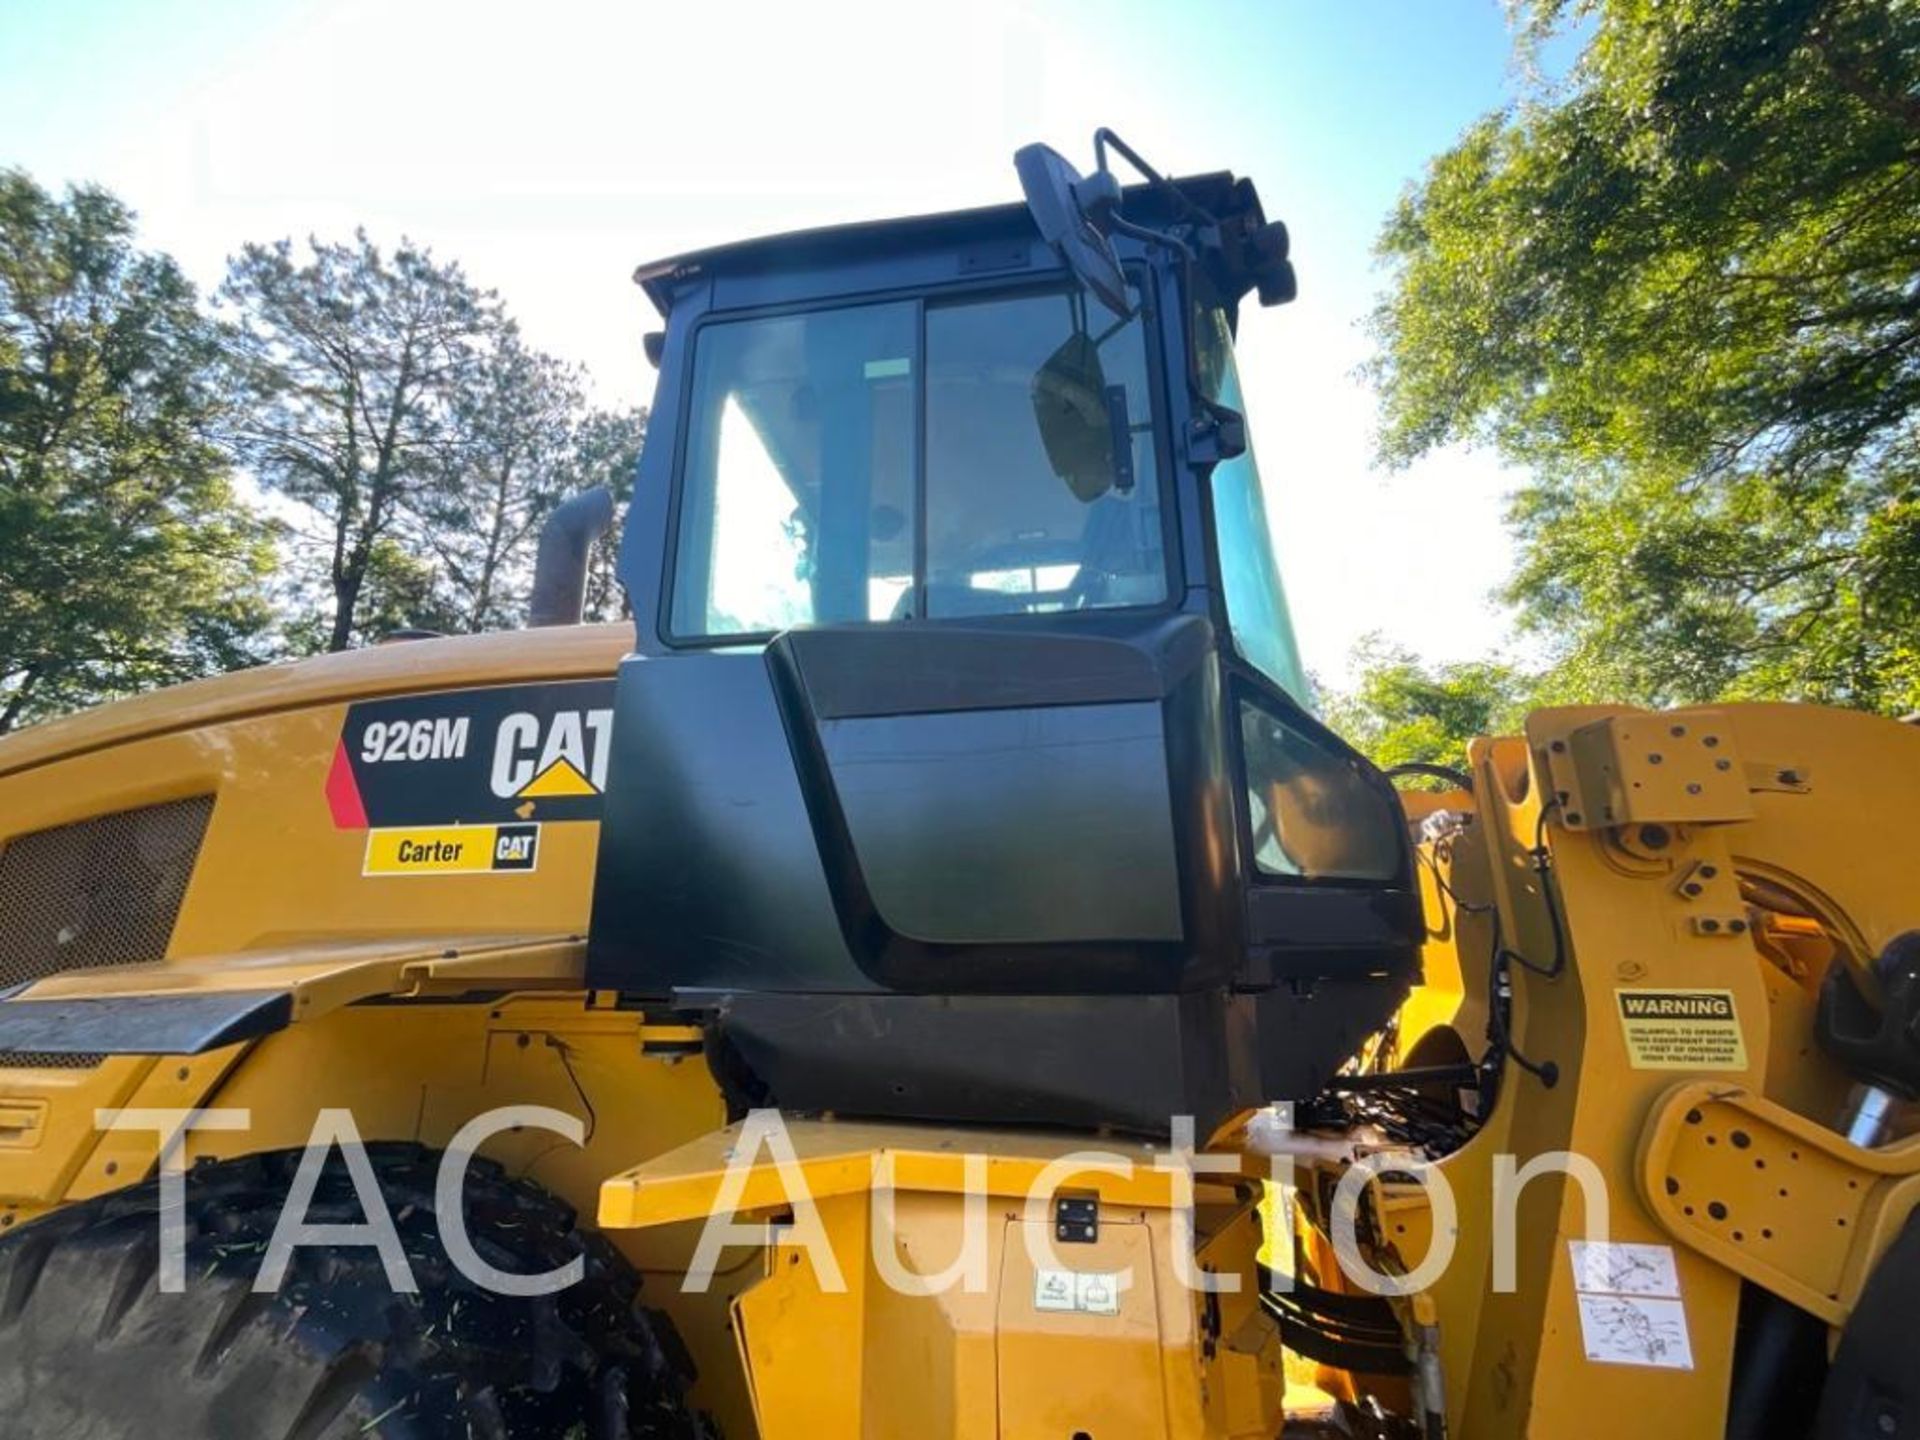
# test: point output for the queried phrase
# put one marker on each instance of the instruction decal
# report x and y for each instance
(1630, 1330)
(1619, 1269)
(1630, 1307)
(1681, 1029)
(1071, 1290)
(501, 755)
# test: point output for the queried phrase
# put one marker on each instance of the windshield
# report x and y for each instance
(988, 456)
(1256, 602)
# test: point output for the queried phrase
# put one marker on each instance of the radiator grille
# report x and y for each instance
(104, 891)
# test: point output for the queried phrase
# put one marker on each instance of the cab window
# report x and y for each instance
(1249, 572)
(1314, 812)
(807, 495)
(1042, 484)
(797, 496)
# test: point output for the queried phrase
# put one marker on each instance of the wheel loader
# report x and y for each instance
(931, 973)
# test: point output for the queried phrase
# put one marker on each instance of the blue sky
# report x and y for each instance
(551, 147)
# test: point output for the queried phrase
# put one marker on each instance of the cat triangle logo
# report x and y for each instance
(562, 756)
(560, 778)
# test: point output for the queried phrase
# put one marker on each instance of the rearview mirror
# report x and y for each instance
(1065, 208)
(1071, 405)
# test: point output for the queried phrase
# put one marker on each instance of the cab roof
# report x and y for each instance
(1217, 192)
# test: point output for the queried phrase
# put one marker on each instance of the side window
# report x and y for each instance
(1249, 572)
(1042, 485)
(796, 500)
(1313, 811)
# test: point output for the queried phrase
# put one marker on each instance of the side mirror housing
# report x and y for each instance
(1069, 212)
(1273, 275)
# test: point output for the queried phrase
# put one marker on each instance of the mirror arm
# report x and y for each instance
(1146, 235)
(1103, 137)
(1062, 204)
(1218, 432)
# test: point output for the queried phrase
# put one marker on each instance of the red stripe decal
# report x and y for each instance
(343, 792)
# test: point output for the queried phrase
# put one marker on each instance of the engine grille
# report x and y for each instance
(104, 891)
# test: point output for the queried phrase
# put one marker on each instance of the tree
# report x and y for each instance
(606, 451)
(1401, 711)
(402, 591)
(509, 453)
(356, 368)
(125, 559)
(1680, 285)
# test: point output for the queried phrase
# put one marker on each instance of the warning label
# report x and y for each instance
(1681, 1030)
(452, 850)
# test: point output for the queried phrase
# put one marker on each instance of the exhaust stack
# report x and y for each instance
(560, 565)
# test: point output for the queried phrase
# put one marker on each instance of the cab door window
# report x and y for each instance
(1043, 489)
(808, 498)
(797, 492)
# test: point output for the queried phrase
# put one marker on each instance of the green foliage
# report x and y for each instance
(512, 417)
(417, 441)
(1400, 711)
(125, 559)
(357, 369)
(403, 590)
(606, 451)
(399, 403)
(1683, 286)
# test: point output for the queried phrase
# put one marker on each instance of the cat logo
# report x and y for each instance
(451, 849)
(514, 847)
(544, 758)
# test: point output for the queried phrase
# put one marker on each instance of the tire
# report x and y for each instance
(91, 1349)
(1873, 1388)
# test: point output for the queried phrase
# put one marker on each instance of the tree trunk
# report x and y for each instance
(346, 598)
(496, 546)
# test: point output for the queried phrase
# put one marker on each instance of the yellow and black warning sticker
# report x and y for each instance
(1681, 1029)
(492, 755)
(452, 849)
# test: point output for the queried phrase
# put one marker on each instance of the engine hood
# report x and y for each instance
(559, 653)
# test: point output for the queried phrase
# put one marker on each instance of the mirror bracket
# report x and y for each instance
(1098, 196)
(1216, 433)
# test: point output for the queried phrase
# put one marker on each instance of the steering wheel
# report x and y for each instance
(955, 584)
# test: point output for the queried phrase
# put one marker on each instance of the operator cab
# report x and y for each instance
(964, 769)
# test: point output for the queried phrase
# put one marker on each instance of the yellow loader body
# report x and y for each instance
(416, 1002)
